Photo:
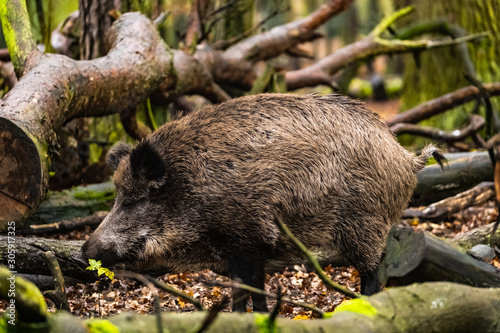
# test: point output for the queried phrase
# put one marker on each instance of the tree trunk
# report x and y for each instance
(441, 72)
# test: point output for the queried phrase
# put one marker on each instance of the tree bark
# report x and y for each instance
(29, 261)
(445, 102)
(480, 235)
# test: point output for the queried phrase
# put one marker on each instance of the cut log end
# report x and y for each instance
(21, 176)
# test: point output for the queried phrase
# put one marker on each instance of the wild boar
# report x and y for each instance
(200, 191)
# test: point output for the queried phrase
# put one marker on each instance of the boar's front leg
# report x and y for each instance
(252, 274)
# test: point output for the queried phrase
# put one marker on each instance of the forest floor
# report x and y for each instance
(104, 298)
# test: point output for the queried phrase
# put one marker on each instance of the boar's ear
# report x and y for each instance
(116, 154)
(146, 162)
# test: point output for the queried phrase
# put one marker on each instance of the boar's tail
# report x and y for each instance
(433, 151)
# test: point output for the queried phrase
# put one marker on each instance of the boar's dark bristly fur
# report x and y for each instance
(200, 191)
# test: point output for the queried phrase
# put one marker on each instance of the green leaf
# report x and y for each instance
(94, 265)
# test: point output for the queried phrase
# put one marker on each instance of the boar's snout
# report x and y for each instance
(93, 249)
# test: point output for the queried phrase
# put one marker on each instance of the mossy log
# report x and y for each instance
(79, 201)
(430, 307)
(418, 256)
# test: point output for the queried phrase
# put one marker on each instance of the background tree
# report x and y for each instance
(431, 74)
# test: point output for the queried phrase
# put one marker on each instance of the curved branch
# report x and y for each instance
(475, 124)
(443, 103)
(371, 45)
(277, 40)
(58, 89)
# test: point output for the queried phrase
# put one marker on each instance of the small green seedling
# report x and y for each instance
(96, 265)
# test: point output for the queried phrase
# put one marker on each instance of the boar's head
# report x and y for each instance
(144, 222)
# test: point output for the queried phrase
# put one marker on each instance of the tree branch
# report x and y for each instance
(372, 45)
(443, 103)
(17, 32)
(277, 40)
(475, 124)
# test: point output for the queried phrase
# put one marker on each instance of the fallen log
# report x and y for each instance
(443, 209)
(429, 307)
(461, 174)
(80, 201)
(29, 261)
(418, 256)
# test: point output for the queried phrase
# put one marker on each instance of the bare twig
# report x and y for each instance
(276, 310)
(174, 291)
(212, 314)
(224, 44)
(279, 39)
(60, 290)
(485, 96)
(67, 225)
(317, 267)
(372, 45)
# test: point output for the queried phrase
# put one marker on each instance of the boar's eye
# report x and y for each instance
(127, 203)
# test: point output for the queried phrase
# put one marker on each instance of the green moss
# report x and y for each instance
(17, 31)
(357, 305)
(264, 324)
(29, 300)
(101, 326)
(82, 193)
